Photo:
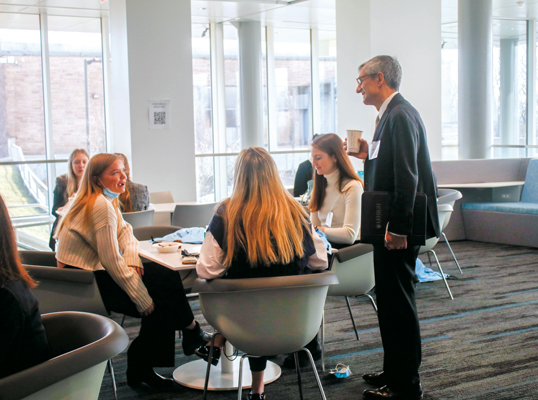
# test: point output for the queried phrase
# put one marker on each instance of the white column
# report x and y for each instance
(152, 59)
(509, 118)
(531, 83)
(475, 78)
(250, 67)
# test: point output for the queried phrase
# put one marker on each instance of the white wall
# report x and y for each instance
(158, 39)
(407, 29)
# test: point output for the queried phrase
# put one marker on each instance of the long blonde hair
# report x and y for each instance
(332, 145)
(261, 216)
(90, 189)
(126, 205)
(72, 180)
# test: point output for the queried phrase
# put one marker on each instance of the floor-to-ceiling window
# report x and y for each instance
(51, 102)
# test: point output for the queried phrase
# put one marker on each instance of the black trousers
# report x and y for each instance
(154, 346)
(395, 280)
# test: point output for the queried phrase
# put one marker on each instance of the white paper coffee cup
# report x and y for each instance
(353, 137)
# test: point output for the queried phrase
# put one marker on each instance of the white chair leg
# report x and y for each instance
(372, 301)
(240, 378)
(442, 274)
(298, 371)
(208, 370)
(315, 373)
(352, 319)
(451, 252)
(111, 371)
(322, 342)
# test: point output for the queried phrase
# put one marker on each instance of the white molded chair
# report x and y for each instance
(354, 268)
(193, 215)
(448, 196)
(139, 218)
(445, 211)
(161, 197)
(266, 316)
(81, 344)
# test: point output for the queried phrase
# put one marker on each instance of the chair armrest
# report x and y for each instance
(60, 274)
(353, 251)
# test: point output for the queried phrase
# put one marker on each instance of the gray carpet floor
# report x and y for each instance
(481, 345)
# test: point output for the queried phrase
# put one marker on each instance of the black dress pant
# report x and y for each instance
(154, 346)
(398, 320)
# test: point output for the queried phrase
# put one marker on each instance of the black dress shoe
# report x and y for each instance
(376, 379)
(203, 352)
(386, 393)
(256, 396)
(192, 339)
(136, 377)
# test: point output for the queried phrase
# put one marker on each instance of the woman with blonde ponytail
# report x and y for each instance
(260, 231)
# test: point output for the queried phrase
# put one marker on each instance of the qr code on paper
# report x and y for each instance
(159, 118)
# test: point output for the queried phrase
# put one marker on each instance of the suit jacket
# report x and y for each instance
(402, 166)
(60, 200)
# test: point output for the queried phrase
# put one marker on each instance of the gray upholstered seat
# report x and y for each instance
(32, 257)
(266, 316)
(81, 344)
(193, 215)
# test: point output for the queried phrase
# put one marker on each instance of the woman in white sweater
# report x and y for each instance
(93, 236)
(335, 205)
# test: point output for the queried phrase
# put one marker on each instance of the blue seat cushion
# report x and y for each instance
(530, 189)
(508, 207)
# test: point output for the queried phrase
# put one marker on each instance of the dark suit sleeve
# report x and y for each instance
(60, 195)
(11, 323)
(303, 175)
(405, 144)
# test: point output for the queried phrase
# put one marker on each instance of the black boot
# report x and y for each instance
(137, 376)
(192, 339)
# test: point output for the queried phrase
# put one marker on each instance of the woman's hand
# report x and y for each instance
(138, 270)
(320, 228)
(148, 311)
(363, 149)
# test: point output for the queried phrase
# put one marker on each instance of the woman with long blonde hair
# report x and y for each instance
(136, 196)
(22, 335)
(67, 185)
(260, 231)
(335, 206)
(93, 236)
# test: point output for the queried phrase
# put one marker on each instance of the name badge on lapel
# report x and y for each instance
(373, 150)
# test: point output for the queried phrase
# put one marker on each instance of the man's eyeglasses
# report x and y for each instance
(360, 79)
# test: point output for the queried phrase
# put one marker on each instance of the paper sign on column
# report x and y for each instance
(159, 114)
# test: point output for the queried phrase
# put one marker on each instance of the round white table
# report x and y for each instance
(225, 376)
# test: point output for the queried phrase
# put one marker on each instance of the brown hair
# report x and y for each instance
(72, 180)
(11, 268)
(261, 216)
(126, 204)
(333, 146)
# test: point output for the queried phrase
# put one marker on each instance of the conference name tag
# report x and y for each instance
(374, 149)
(329, 219)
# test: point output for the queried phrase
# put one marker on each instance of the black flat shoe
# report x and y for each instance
(385, 392)
(376, 379)
(257, 396)
(136, 377)
(203, 352)
(192, 339)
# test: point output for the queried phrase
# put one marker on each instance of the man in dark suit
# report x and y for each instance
(396, 161)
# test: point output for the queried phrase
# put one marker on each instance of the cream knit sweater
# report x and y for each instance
(106, 243)
(346, 208)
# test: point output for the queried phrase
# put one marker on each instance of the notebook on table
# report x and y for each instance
(374, 218)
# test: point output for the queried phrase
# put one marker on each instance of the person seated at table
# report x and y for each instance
(67, 185)
(93, 236)
(302, 177)
(136, 196)
(23, 342)
(260, 231)
(335, 205)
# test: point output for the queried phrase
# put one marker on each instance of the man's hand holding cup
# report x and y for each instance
(355, 145)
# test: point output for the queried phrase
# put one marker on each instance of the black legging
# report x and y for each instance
(154, 346)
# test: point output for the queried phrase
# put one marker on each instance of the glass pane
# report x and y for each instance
(232, 90)
(264, 83)
(24, 190)
(76, 81)
(509, 85)
(201, 70)
(21, 88)
(205, 180)
(287, 166)
(293, 95)
(327, 82)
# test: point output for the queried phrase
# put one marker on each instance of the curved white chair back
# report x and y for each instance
(266, 316)
(448, 196)
(444, 211)
(354, 267)
(161, 197)
(193, 215)
(139, 218)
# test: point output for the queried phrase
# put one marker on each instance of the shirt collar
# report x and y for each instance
(385, 104)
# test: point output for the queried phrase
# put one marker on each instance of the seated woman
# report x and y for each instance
(260, 231)
(335, 205)
(136, 196)
(93, 236)
(67, 185)
(22, 335)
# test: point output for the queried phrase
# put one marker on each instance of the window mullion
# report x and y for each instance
(271, 89)
(315, 88)
(531, 84)
(105, 49)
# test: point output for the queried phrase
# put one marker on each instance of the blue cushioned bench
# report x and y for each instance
(513, 223)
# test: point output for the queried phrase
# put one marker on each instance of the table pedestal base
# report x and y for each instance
(193, 373)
